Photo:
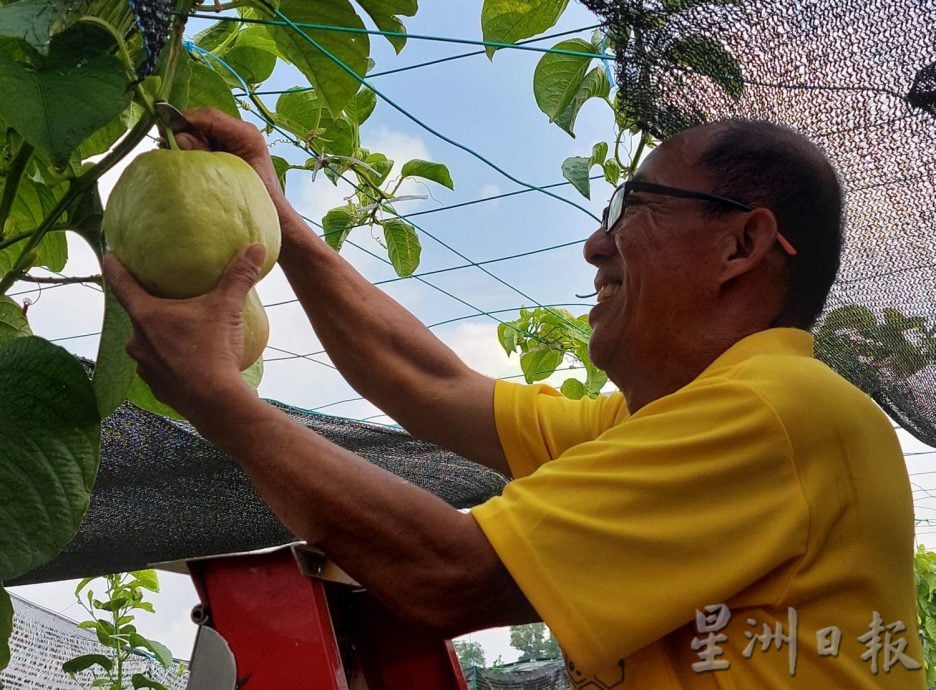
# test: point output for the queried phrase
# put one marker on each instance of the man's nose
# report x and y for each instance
(599, 246)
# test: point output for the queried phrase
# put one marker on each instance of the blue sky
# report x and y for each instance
(487, 106)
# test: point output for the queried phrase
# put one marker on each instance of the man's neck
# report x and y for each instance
(667, 370)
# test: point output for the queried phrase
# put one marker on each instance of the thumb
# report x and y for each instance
(122, 283)
(242, 272)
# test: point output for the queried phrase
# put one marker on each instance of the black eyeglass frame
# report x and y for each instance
(632, 185)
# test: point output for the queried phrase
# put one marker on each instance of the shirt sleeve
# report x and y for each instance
(536, 424)
(620, 539)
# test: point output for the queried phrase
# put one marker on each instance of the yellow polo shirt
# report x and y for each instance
(751, 530)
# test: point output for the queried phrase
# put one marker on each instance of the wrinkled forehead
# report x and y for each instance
(675, 161)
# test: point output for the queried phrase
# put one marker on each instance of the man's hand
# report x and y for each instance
(188, 350)
(218, 131)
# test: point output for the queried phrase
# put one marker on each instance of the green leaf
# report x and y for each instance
(384, 12)
(113, 604)
(199, 86)
(337, 223)
(596, 378)
(34, 200)
(86, 661)
(140, 681)
(361, 106)
(304, 114)
(87, 217)
(437, 172)
(55, 103)
(281, 166)
(507, 335)
(540, 363)
(849, 316)
(6, 627)
(13, 323)
(381, 164)
(50, 445)
(215, 35)
(30, 20)
(253, 65)
(114, 368)
(594, 85)
(558, 77)
(599, 153)
(301, 112)
(705, 55)
(612, 171)
(572, 389)
(105, 630)
(162, 652)
(403, 246)
(509, 21)
(335, 85)
(101, 140)
(84, 583)
(575, 170)
(147, 579)
(140, 395)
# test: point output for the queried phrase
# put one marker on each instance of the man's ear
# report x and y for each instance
(749, 243)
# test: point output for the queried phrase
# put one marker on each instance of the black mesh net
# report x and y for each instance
(163, 493)
(153, 18)
(859, 78)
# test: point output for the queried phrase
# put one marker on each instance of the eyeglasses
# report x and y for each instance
(618, 204)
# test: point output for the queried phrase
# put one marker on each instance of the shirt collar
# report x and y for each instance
(774, 341)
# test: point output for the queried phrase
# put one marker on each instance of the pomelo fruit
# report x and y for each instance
(177, 218)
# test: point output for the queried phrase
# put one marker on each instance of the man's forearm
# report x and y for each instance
(387, 354)
(423, 558)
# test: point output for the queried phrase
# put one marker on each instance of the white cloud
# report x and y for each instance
(489, 190)
(477, 345)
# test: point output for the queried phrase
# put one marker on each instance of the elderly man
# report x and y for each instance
(737, 517)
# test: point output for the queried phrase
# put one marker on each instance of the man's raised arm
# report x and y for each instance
(382, 350)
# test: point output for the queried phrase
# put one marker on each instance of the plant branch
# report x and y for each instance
(175, 44)
(64, 280)
(635, 159)
(11, 183)
(79, 185)
(221, 6)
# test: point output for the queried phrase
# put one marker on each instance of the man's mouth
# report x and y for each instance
(607, 291)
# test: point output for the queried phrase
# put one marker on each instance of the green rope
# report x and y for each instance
(439, 61)
(401, 34)
(416, 120)
(460, 267)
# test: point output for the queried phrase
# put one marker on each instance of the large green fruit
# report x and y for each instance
(177, 218)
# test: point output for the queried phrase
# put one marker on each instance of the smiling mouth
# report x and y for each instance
(607, 291)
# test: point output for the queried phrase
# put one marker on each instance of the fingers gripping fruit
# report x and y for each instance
(176, 218)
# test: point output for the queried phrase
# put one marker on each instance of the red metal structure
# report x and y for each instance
(294, 621)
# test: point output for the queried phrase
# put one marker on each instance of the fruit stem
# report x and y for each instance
(175, 43)
(169, 136)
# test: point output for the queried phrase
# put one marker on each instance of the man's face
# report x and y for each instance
(656, 268)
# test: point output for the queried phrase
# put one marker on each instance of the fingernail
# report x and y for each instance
(256, 253)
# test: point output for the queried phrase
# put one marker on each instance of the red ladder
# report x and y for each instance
(293, 621)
